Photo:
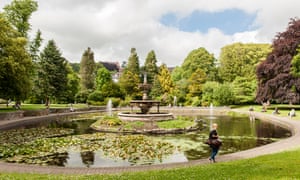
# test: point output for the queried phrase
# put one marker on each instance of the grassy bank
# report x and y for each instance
(3, 107)
(283, 165)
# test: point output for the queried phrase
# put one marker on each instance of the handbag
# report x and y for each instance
(214, 142)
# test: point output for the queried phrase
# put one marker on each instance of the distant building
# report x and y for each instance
(113, 67)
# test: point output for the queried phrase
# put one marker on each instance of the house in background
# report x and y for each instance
(113, 67)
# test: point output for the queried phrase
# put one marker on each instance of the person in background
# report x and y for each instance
(292, 113)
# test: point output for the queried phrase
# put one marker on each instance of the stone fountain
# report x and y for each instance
(145, 104)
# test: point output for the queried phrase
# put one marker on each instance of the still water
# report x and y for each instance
(237, 134)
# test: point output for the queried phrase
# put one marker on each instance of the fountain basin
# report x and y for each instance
(145, 117)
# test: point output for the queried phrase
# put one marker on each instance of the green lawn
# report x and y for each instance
(283, 165)
(3, 107)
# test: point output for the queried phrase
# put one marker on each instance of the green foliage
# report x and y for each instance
(218, 94)
(240, 60)
(129, 82)
(165, 80)
(150, 67)
(133, 64)
(196, 81)
(96, 96)
(19, 12)
(223, 95)
(244, 90)
(180, 122)
(53, 72)
(103, 78)
(295, 69)
(199, 59)
(82, 96)
(156, 89)
(15, 64)
(72, 85)
(87, 70)
(110, 121)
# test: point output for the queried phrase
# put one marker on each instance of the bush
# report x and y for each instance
(96, 96)
(82, 96)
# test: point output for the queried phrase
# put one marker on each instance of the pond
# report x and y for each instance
(74, 144)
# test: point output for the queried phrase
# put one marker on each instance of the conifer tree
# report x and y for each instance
(150, 66)
(87, 70)
(52, 73)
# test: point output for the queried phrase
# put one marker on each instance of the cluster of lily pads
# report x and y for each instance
(50, 146)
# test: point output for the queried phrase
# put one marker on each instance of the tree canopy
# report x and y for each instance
(275, 80)
(19, 12)
(240, 60)
(15, 63)
(199, 59)
(150, 66)
(53, 72)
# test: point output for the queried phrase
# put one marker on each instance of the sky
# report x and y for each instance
(171, 28)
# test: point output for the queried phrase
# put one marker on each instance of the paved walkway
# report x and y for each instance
(282, 145)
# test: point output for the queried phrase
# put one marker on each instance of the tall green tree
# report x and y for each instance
(19, 12)
(15, 63)
(87, 70)
(199, 59)
(241, 60)
(150, 66)
(52, 73)
(133, 64)
(275, 79)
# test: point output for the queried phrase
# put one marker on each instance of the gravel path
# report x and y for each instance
(282, 145)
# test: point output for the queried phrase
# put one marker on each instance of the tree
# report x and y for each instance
(34, 47)
(165, 80)
(133, 64)
(52, 73)
(72, 84)
(150, 66)
(15, 63)
(18, 14)
(240, 60)
(275, 79)
(199, 59)
(103, 77)
(217, 94)
(244, 89)
(129, 82)
(87, 70)
(196, 81)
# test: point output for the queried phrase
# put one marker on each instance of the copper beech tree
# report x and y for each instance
(275, 80)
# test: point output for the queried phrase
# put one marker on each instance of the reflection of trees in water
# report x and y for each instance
(88, 158)
(57, 159)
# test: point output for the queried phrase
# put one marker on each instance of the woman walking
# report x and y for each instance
(215, 143)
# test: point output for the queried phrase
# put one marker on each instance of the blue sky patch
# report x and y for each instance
(228, 21)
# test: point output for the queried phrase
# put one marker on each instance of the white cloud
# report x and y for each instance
(112, 27)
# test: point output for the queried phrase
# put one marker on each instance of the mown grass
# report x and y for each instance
(3, 107)
(284, 165)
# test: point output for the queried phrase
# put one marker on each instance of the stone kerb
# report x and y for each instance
(11, 115)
